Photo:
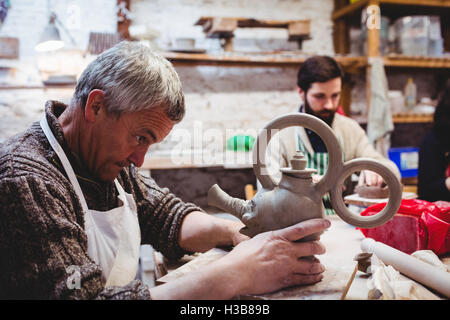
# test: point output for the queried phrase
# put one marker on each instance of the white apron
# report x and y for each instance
(114, 236)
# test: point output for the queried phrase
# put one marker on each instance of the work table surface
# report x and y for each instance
(342, 244)
(341, 279)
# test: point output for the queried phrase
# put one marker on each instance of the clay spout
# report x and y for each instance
(220, 199)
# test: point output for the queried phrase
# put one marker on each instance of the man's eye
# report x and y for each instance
(141, 139)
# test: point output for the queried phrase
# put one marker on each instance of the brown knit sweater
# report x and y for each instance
(42, 222)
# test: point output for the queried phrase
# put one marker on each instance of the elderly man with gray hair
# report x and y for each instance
(74, 210)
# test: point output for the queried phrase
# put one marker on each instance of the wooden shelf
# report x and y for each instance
(412, 118)
(280, 60)
(232, 60)
(417, 62)
(349, 9)
(227, 160)
(251, 23)
(351, 64)
(224, 27)
(346, 15)
(401, 118)
(357, 6)
(254, 60)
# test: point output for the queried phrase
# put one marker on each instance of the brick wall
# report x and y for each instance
(26, 20)
(224, 99)
(221, 101)
(217, 98)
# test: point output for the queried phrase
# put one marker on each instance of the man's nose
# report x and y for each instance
(137, 157)
(329, 104)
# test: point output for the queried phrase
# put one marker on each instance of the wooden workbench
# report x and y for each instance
(226, 159)
(359, 201)
(341, 279)
(342, 242)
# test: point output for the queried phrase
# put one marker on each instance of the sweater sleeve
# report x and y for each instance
(161, 214)
(432, 165)
(43, 246)
(362, 148)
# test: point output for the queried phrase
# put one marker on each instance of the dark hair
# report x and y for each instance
(441, 123)
(318, 69)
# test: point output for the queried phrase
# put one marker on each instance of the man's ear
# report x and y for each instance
(94, 104)
(301, 93)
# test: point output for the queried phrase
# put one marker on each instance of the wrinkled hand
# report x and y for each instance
(237, 237)
(370, 178)
(272, 260)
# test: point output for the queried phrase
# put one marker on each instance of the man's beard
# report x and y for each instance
(327, 116)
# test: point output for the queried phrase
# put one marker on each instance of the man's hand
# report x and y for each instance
(370, 178)
(237, 237)
(262, 264)
(274, 260)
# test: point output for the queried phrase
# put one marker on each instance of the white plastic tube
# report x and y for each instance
(412, 267)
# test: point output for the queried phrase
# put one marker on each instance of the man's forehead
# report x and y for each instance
(332, 84)
(151, 114)
(155, 122)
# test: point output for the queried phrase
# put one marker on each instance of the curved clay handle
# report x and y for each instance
(303, 120)
(395, 194)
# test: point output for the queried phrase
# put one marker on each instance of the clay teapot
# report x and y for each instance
(295, 197)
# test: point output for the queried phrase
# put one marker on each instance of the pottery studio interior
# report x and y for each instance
(244, 150)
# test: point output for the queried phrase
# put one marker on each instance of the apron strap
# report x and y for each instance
(121, 191)
(119, 187)
(65, 162)
(67, 166)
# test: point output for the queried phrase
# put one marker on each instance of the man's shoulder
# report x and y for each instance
(24, 154)
(341, 120)
(347, 126)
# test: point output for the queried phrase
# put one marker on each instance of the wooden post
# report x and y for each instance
(373, 24)
(445, 26)
(346, 95)
(341, 35)
(341, 41)
(122, 21)
(228, 44)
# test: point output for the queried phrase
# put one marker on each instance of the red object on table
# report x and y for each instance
(417, 225)
(340, 110)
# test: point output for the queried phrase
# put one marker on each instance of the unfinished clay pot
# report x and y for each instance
(372, 192)
(295, 197)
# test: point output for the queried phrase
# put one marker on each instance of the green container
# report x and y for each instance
(240, 143)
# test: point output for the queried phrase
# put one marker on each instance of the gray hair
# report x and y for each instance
(133, 78)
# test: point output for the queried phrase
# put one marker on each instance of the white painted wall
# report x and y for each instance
(217, 98)
(224, 99)
(176, 18)
(26, 20)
